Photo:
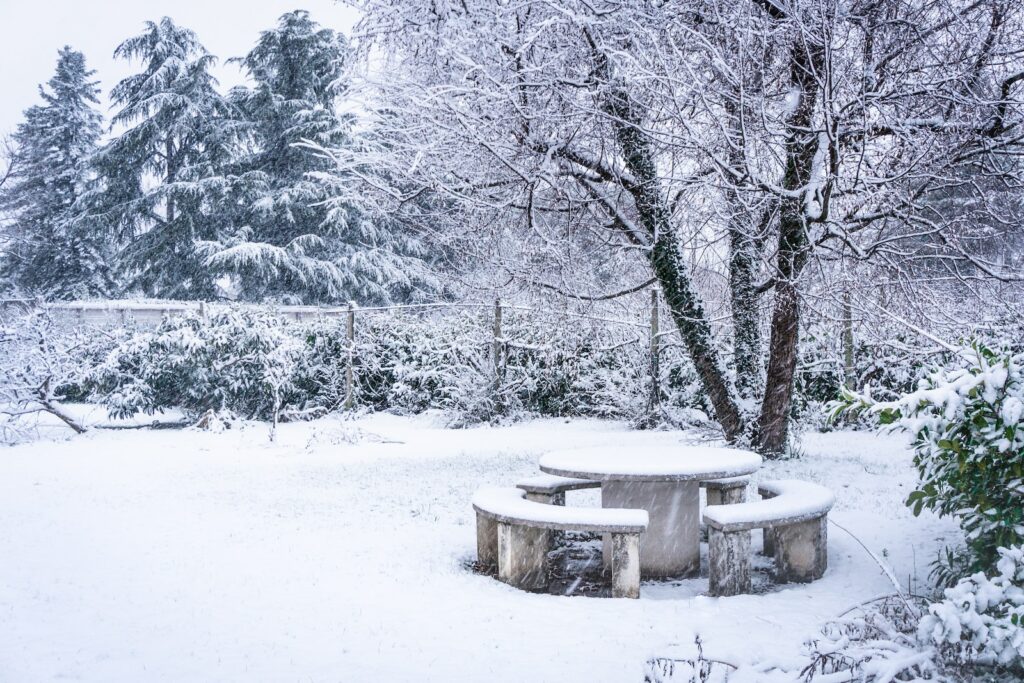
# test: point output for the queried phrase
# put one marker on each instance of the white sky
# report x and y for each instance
(31, 32)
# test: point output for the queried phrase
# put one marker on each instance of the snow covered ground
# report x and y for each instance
(339, 553)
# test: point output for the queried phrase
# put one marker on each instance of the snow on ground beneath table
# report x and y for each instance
(339, 552)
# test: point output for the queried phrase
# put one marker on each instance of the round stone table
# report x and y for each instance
(665, 481)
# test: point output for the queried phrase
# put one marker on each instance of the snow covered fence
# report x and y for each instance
(475, 361)
(148, 314)
(74, 315)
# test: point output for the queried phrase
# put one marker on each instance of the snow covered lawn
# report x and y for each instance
(339, 552)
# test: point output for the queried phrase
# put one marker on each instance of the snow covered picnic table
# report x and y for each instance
(664, 481)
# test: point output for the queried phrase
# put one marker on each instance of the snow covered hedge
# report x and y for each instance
(968, 427)
(252, 364)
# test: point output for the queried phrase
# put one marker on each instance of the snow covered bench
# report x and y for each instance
(512, 532)
(551, 489)
(793, 512)
(728, 491)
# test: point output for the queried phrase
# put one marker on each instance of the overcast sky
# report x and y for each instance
(31, 32)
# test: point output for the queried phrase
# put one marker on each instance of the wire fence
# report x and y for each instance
(647, 328)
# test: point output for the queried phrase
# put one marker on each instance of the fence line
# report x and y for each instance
(117, 311)
(83, 313)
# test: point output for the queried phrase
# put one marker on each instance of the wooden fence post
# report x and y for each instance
(849, 371)
(497, 345)
(655, 352)
(350, 333)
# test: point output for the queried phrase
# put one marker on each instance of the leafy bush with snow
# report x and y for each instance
(235, 362)
(968, 427)
(254, 365)
(981, 619)
(545, 366)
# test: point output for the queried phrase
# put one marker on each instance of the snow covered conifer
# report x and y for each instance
(161, 184)
(48, 252)
(295, 240)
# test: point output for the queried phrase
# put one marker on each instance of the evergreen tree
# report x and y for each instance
(297, 241)
(161, 184)
(48, 251)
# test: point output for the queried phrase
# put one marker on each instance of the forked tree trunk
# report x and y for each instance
(772, 432)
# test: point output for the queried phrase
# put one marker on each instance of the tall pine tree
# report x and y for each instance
(295, 241)
(161, 184)
(48, 252)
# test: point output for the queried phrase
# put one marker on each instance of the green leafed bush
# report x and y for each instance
(967, 421)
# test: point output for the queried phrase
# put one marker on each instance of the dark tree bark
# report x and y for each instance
(744, 257)
(667, 262)
(806, 64)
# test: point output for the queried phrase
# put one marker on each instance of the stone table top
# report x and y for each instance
(647, 463)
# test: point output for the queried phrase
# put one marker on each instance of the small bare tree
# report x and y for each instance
(35, 362)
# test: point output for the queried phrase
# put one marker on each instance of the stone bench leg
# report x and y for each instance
(801, 551)
(522, 556)
(730, 496)
(729, 555)
(556, 538)
(486, 540)
(625, 565)
(547, 498)
(768, 535)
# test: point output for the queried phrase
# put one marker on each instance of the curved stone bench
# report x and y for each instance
(728, 491)
(551, 489)
(794, 512)
(512, 532)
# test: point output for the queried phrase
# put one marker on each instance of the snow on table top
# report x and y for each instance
(650, 463)
(509, 505)
(543, 483)
(793, 501)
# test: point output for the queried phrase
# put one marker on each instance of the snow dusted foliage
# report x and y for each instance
(546, 365)
(161, 180)
(39, 364)
(233, 363)
(252, 364)
(293, 239)
(968, 426)
(981, 619)
(46, 250)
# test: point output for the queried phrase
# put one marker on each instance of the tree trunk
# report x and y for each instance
(171, 175)
(743, 261)
(806, 62)
(667, 262)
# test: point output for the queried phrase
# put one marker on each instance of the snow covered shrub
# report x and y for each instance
(234, 361)
(981, 619)
(888, 359)
(38, 361)
(968, 446)
(876, 641)
(692, 669)
(547, 365)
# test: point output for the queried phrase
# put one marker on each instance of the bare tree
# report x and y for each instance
(746, 138)
(37, 361)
